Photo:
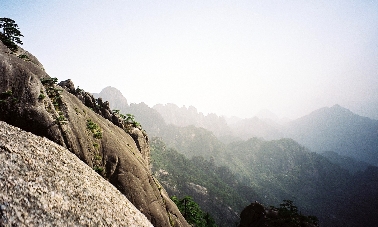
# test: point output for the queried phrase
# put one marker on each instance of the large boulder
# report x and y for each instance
(31, 100)
(44, 184)
(253, 215)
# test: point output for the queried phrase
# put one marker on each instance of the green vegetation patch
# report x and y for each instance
(7, 97)
(52, 92)
(24, 57)
(94, 128)
(128, 120)
(219, 181)
(100, 170)
(61, 119)
(193, 213)
(41, 96)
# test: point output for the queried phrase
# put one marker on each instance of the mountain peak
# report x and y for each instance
(114, 97)
(338, 107)
(335, 110)
(337, 129)
(111, 90)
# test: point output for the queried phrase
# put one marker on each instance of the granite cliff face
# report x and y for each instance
(44, 184)
(119, 151)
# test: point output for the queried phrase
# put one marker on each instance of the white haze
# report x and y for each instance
(232, 58)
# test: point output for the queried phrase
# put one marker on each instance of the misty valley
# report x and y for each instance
(324, 162)
(70, 157)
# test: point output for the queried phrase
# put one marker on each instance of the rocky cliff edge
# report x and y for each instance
(31, 100)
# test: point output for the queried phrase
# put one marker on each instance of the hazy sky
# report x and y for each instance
(225, 57)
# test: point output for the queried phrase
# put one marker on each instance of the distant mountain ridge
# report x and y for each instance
(337, 129)
(256, 127)
(327, 129)
(269, 116)
(182, 116)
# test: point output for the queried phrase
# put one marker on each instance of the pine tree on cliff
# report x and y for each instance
(10, 35)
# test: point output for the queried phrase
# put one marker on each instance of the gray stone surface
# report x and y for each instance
(44, 184)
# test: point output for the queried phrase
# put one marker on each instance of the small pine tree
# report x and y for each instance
(10, 35)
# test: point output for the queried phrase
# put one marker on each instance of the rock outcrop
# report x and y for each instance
(133, 128)
(256, 215)
(44, 184)
(252, 215)
(31, 100)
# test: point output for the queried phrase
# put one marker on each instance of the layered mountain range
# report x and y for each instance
(327, 129)
(250, 167)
